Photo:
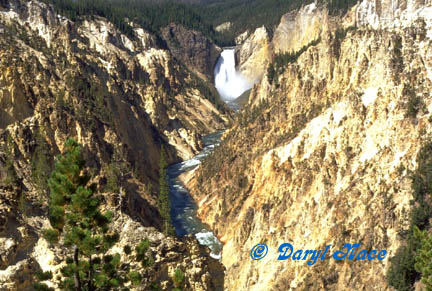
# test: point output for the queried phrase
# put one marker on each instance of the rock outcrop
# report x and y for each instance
(224, 26)
(253, 54)
(298, 28)
(324, 157)
(193, 49)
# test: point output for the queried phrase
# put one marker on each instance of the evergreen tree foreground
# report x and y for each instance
(78, 225)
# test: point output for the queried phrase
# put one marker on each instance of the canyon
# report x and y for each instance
(122, 99)
(319, 152)
(322, 154)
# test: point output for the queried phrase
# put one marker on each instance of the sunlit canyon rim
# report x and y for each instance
(334, 125)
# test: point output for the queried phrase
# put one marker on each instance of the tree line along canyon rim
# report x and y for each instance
(215, 145)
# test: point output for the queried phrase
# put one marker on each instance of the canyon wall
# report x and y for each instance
(193, 49)
(323, 153)
(122, 98)
(253, 55)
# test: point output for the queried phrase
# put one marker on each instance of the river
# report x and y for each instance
(230, 85)
(183, 207)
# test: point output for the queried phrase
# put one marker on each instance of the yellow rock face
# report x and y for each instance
(297, 29)
(253, 55)
(323, 158)
(121, 99)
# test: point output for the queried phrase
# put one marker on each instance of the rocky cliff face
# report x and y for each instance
(253, 54)
(193, 49)
(155, 86)
(122, 98)
(393, 15)
(298, 28)
(324, 156)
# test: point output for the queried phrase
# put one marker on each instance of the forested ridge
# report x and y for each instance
(150, 15)
(200, 15)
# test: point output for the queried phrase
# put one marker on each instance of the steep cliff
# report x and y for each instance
(322, 155)
(298, 28)
(122, 98)
(156, 86)
(193, 49)
(253, 54)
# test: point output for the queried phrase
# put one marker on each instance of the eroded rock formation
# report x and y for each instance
(322, 155)
(121, 98)
(193, 49)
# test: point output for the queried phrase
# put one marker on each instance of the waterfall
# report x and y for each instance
(229, 83)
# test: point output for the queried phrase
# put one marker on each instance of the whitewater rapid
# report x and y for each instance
(228, 81)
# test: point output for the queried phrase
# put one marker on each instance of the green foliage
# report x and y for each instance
(83, 230)
(13, 31)
(209, 93)
(341, 33)
(421, 215)
(409, 262)
(338, 7)
(152, 15)
(178, 278)
(41, 163)
(245, 15)
(51, 235)
(11, 176)
(415, 103)
(423, 175)
(93, 98)
(135, 278)
(164, 199)
(397, 59)
(44, 275)
(42, 287)
(250, 114)
(155, 287)
(114, 172)
(281, 60)
(61, 103)
(401, 274)
(423, 259)
(141, 253)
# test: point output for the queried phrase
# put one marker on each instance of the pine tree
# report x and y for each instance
(164, 199)
(423, 259)
(178, 279)
(79, 226)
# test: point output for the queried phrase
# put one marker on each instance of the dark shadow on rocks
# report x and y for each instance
(139, 209)
(216, 270)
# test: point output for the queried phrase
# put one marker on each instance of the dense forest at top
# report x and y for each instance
(250, 14)
(201, 15)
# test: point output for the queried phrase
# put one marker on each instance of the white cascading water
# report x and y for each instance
(229, 83)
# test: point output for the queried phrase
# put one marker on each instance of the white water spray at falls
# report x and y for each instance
(229, 83)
